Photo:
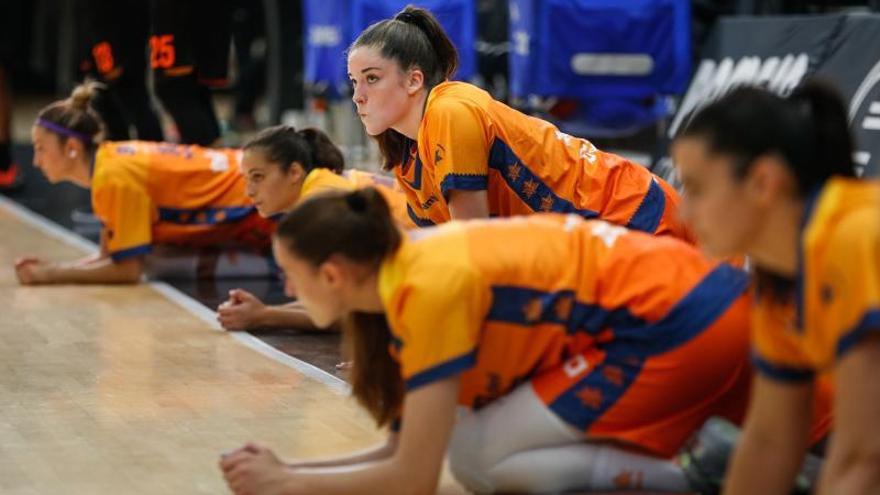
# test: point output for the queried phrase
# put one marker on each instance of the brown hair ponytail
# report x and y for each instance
(375, 376)
(311, 148)
(413, 38)
(74, 118)
(357, 225)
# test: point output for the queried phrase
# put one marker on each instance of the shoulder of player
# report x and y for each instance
(455, 103)
(853, 227)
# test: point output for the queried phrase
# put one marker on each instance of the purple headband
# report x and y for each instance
(60, 129)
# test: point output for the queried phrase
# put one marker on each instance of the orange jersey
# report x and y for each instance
(147, 193)
(526, 298)
(468, 141)
(320, 180)
(837, 288)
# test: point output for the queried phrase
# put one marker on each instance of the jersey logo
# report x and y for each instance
(614, 375)
(571, 221)
(608, 233)
(429, 203)
(125, 149)
(576, 366)
(513, 172)
(563, 308)
(827, 294)
(219, 161)
(591, 397)
(439, 151)
(532, 310)
(530, 187)
(565, 138)
(588, 151)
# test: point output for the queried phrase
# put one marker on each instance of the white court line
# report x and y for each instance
(195, 308)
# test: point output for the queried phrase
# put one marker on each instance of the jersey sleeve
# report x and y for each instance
(437, 321)
(457, 146)
(776, 353)
(125, 212)
(850, 290)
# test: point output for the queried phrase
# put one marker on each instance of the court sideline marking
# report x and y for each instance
(186, 302)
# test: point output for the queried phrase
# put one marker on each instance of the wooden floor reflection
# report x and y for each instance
(119, 390)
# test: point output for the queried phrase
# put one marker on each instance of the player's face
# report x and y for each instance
(318, 289)
(49, 154)
(716, 204)
(272, 189)
(380, 90)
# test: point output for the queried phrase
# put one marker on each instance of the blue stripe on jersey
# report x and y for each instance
(586, 401)
(781, 373)
(417, 173)
(524, 306)
(464, 182)
(690, 316)
(580, 410)
(204, 216)
(869, 323)
(528, 186)
(695, 312)
(419, 221)
(131, 252)
(647, 217)
(443, 370)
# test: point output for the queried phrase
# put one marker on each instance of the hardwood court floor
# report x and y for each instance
(116, 389)
(57, 201)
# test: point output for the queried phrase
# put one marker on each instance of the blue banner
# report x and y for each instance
(332, 25)
(327, 28)
(590, 49)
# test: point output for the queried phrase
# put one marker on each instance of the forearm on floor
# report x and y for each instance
(101, 271)
(383, 451)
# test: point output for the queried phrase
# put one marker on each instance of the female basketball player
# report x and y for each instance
(281, 166)
(143, 193)
(459, 154)
(587, 352)
(773, 178)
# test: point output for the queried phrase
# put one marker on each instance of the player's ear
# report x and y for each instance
(296, 172)
(415, 80)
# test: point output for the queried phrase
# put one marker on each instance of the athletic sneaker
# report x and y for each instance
(705, 456)
(11, 178)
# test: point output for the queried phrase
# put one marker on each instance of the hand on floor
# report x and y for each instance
(31, 270)
(241, 311)
(253, 470)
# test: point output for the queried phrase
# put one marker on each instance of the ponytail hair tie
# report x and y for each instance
(406, 17)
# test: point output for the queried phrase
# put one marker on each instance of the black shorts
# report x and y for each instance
(191, 37)
(13, 36)
(117, 40)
